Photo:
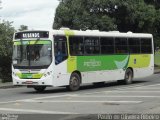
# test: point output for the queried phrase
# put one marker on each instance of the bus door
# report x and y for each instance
(60, 49)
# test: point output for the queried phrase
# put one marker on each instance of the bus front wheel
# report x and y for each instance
(39, 88)
(74, 83)
(128, 76)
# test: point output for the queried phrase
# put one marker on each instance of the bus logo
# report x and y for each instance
(92, 63)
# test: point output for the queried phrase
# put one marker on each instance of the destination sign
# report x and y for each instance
(32, 34)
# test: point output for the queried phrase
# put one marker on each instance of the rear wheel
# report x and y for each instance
(74, 83)
(39, 88)
(128, 76)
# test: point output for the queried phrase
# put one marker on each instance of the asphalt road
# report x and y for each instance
(141, 97)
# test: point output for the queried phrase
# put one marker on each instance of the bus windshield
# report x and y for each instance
(32, 54)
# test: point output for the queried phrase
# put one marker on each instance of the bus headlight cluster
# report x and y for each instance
(47, 74)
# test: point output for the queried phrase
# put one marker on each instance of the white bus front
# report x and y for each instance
(32, 59)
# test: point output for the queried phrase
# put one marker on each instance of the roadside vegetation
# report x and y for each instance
(6, 36)
(157, 59)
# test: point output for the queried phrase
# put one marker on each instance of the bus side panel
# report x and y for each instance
(61, 77)
(143, 72)
(110, 67)
(142, 64)
(72, 64)
(102, 76)
(99, 68)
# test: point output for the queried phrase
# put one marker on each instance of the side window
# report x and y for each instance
(60, 49)
(121, 46)
(134, 45)
(76, 45)
(146, 45)
(107, 45)
(92, 45)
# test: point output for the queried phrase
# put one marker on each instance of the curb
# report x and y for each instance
(8, 85)
(156, 71)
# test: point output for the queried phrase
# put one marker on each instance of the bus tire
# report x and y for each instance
(128, 76)
(39, 88)
(74, 83)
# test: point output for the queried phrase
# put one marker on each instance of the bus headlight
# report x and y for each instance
(47, 74)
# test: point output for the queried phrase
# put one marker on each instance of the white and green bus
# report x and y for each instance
(70, 58)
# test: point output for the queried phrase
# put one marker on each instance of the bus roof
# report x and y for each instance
(100, 33)
(93, 33)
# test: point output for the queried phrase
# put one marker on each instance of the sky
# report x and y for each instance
(36, 14)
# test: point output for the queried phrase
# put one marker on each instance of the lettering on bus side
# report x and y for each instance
(92, 63)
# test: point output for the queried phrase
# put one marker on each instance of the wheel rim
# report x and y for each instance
(74, 82)
(128, 76)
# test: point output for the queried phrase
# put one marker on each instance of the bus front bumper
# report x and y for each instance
(44, 81)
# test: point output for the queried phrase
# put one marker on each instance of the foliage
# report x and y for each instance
(81, 14)
(23, 27)
(141, 16)
(6, 35)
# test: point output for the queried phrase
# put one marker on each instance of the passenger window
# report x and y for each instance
(92, 45)
(121, 46)
(134, 45)
(146, 45)
(76, 45)
(107, 45)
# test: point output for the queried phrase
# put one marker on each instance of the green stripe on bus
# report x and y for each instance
(20, 43)
(39, 42)
(29, 75)
(31, 42)
(108, 62)
(96, 63)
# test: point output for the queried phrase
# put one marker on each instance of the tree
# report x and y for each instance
(80, 14)
(122, 15)
(141, 16)
(135, 16)
(6, 35)
(23, 27)
(156, 3)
